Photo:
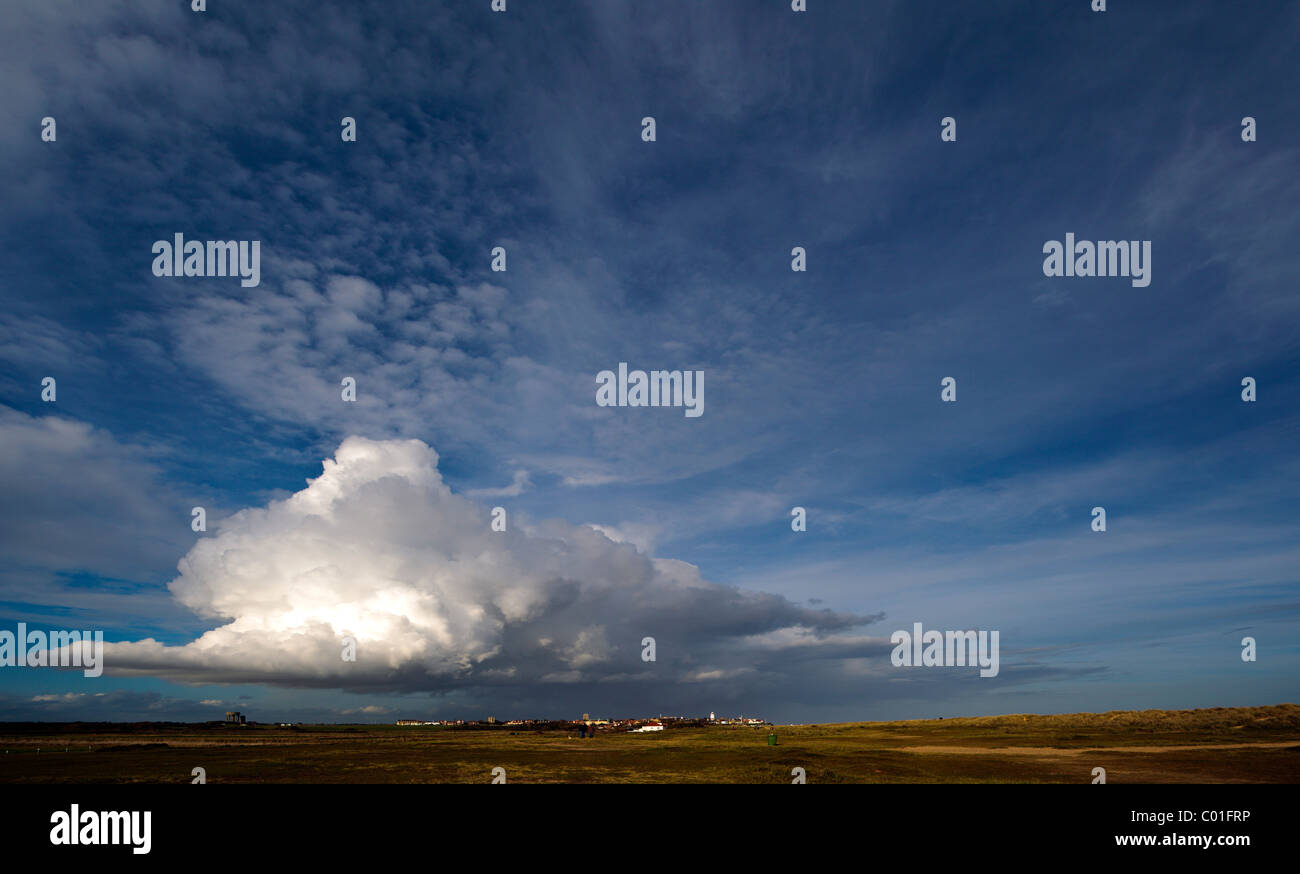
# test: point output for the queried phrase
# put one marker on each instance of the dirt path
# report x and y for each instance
(1079, 751)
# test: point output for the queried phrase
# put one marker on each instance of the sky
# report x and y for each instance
(476, 388)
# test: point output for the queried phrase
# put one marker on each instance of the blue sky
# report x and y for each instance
(774, 130)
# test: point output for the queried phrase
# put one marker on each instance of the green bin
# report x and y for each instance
(771, 740)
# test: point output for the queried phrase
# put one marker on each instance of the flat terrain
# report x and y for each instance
(1219, 745)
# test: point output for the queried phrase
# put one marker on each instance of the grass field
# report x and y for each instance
(1219, 745)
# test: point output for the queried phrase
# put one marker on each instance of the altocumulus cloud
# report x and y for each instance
(379, 549)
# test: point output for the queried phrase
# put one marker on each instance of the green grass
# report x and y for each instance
(1133, 746)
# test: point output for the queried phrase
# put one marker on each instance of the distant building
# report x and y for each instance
(234, 717)
(650, 726)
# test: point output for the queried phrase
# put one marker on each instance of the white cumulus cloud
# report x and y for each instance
(378, 549)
